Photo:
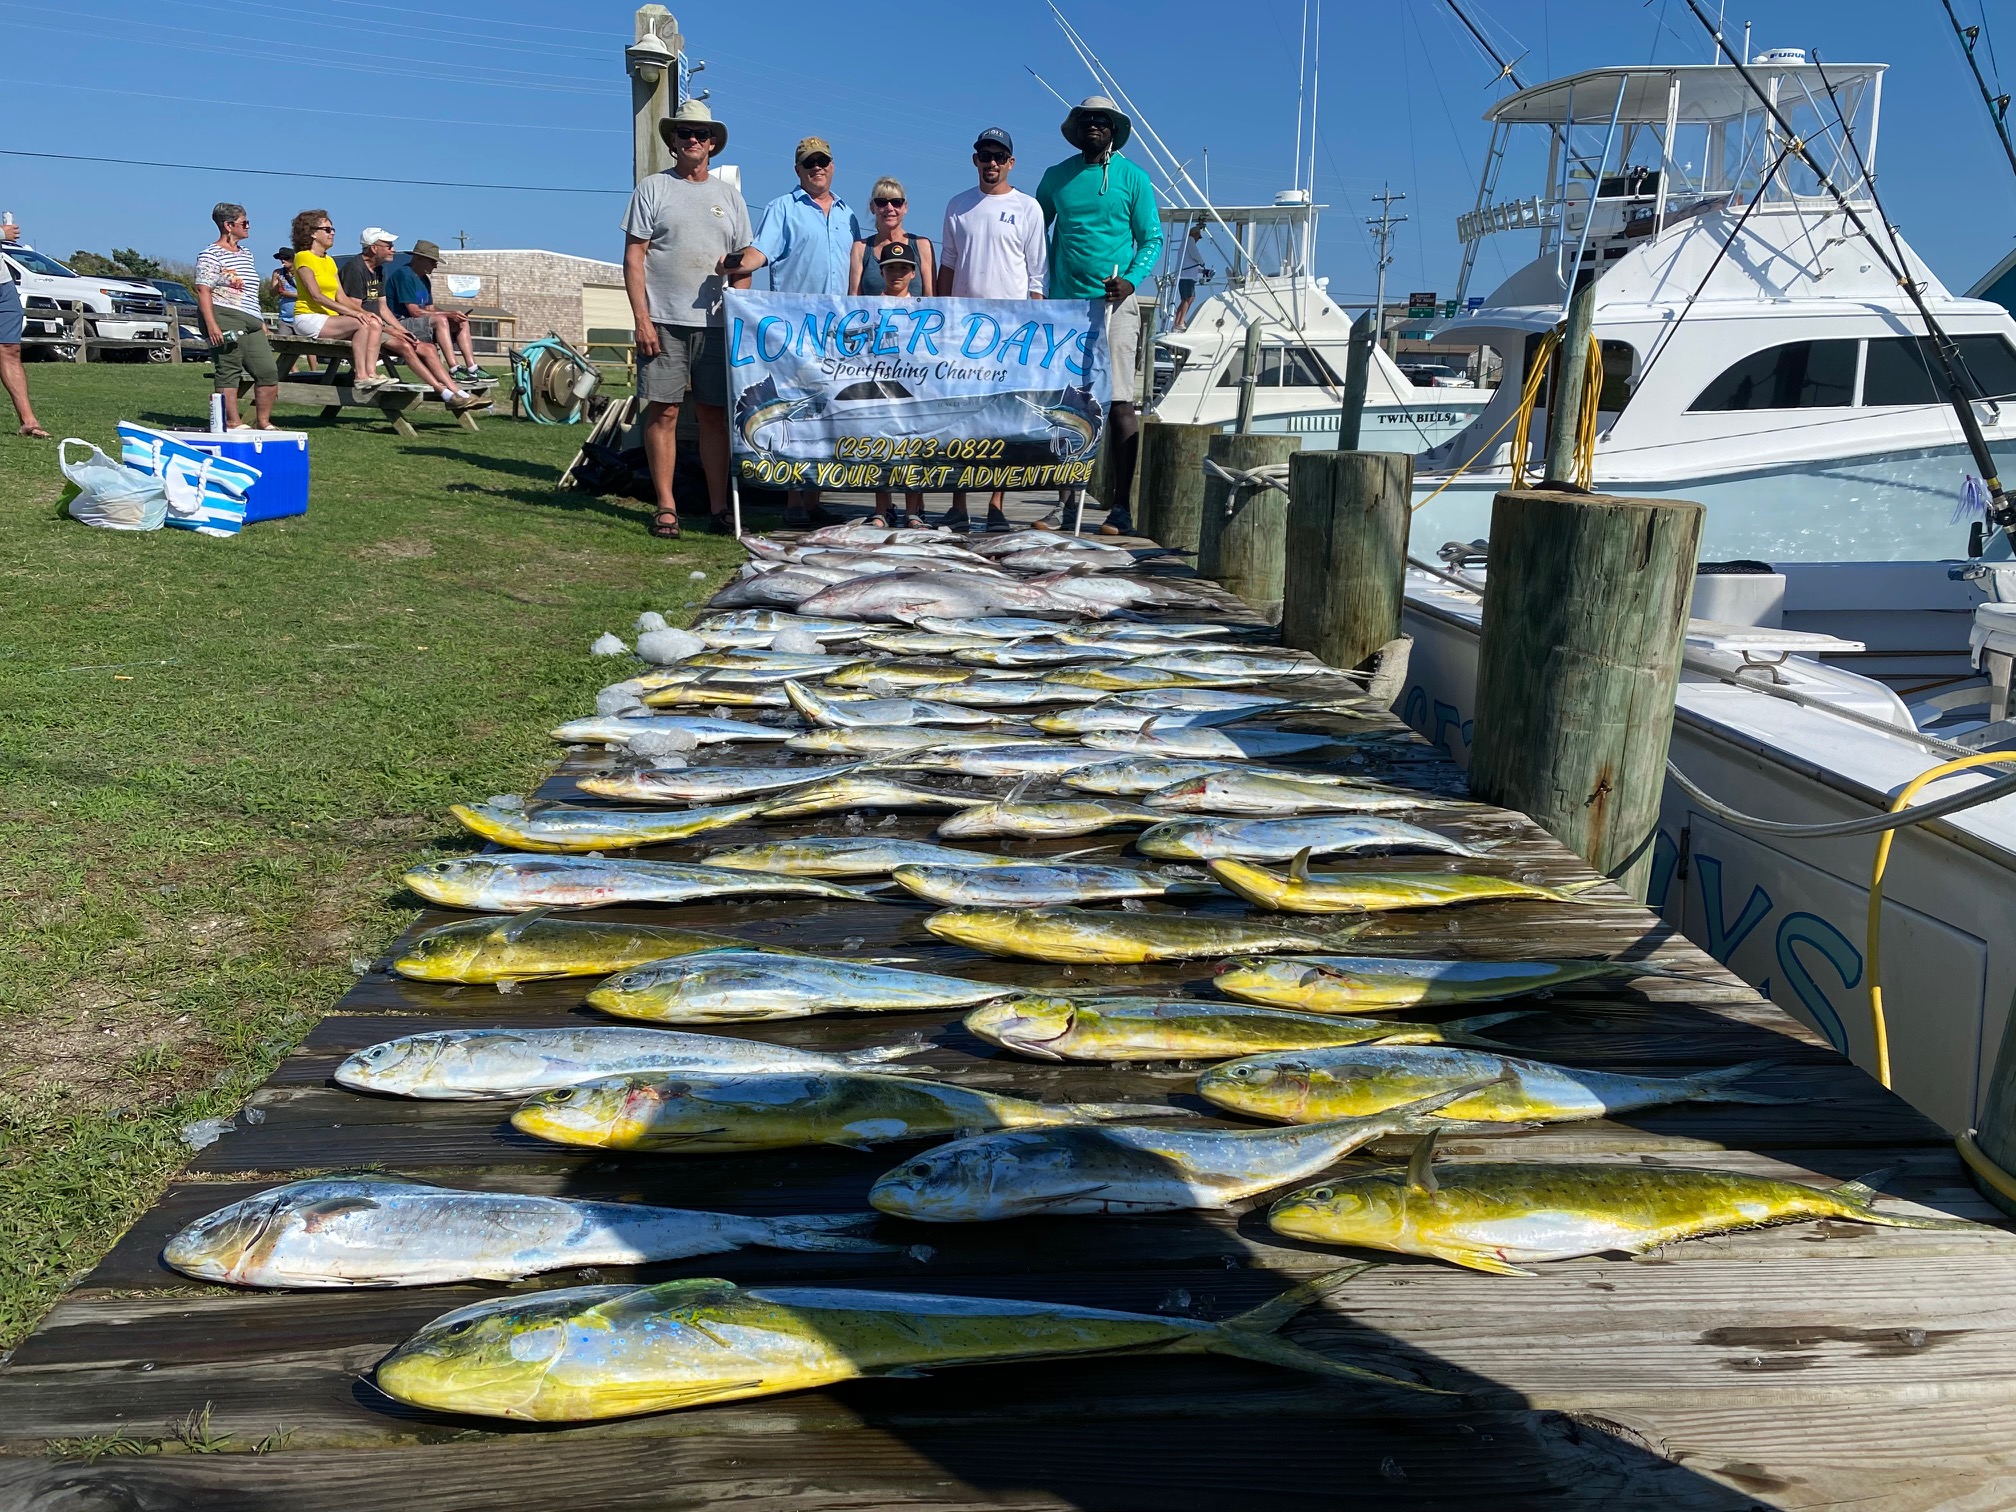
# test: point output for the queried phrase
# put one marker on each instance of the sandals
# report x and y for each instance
(719, 523)
(665, 524)
(877, 522)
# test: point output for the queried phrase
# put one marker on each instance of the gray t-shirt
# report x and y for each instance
(689, 227)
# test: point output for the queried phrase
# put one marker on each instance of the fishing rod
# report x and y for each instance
(1508, 70)
(1998, 105)
(2001, 508)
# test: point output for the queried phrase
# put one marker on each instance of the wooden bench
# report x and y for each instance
(332, 386)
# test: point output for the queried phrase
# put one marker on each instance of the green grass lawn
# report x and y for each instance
(217, 756)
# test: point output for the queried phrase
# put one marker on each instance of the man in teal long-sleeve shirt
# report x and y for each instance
(1105, 239)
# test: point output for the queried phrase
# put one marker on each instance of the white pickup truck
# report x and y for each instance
(119, 309)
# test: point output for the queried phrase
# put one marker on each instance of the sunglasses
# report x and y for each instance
(693, 133)
(889, 204)
(1097, 120)
(990, 157)
(817, 161)
(325, 228)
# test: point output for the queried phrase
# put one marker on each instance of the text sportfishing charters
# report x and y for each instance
(834, 337)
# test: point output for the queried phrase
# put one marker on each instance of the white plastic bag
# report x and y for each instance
(111, 495)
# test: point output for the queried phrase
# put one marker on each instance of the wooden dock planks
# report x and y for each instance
(1815, 1365)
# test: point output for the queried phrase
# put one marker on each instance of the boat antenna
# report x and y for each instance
(1998, 105)
(1301, 87)
(2001, 508)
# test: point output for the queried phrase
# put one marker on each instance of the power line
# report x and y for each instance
(342, 178)
(349, 111)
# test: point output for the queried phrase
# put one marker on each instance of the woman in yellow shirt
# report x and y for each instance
(322, 310)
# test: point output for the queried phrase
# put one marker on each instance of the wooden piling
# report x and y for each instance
(1243, 534)
(1577, 666)
(1345, 552)
(1357, 377)
(1172, 482)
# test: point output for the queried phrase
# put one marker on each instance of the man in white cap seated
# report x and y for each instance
(685, 233)
(1105, 238)
(363, 279)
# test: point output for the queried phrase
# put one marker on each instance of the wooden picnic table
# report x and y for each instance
(332, 386)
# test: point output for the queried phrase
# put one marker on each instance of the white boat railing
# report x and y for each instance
(1530, 214)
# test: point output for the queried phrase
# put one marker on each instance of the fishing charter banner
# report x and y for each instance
(856, 392)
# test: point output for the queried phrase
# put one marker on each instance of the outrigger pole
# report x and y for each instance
(1998, 105)
(2001, 508)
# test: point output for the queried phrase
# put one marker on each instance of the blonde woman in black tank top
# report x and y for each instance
(866, 276)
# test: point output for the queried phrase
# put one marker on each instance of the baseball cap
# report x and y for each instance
(370, 236)
(811, 147)
(897, 254)
(994, 136)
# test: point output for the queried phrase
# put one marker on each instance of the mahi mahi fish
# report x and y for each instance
(1138, 1029)
(1377, 892)
(1132, 776)
(889, 741)
(692, 1113)
(382, 1231)
(569, 827)
(1350, 1081)
(878, 713)
(612, 1351)
(704, 784)
(1058, 818)
(1162, 739)
(1342, 984)
(1039, 884)
(1281, 839)
(471, 1064)
(505, 883)
(531, 946)
(1501, 1214)
(1084, 934)
(617, 729)
(848, 856)
(1244, 794)
(731, 986)
(1032, 760)
(1025, 1173)
(858, 791)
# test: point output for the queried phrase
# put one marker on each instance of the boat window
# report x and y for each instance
(1904, 369)
(1798, 375)
(1282, 367)
(1620, 360)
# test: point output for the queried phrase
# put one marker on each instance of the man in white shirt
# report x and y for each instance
(1189, 274)
(993, 247)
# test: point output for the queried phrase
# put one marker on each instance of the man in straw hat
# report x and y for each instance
(1105, 238)
(683, 236)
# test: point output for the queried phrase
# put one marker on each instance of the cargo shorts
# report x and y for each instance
(250, 356)
(688, 357)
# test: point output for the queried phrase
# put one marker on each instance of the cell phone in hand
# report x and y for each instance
(734, 259)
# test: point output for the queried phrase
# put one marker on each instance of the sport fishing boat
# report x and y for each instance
(1757, 356)
(1304, 340)
(1756, 359)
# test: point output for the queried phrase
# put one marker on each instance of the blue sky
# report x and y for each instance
(524, 94)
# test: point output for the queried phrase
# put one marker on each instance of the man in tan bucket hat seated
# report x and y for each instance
(684, 235)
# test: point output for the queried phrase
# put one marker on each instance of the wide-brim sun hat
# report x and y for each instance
(693, 113)
(1123, 124)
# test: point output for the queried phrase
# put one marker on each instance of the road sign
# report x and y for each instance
(1421, 306)
(1448, 309)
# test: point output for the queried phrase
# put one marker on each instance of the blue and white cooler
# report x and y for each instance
(263, 473)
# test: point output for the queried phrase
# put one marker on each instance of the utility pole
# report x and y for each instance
(652, 61)
(1382, 229)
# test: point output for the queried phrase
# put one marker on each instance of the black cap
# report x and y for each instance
(897, 254)
(994, 136)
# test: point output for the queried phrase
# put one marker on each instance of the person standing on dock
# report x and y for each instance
(685, 229)
(1105, 237)
(1189, 274)
(992, 248)
(806, 238)
(227, 298)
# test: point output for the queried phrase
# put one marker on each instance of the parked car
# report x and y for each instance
(188, 315)
(119, 309)
(1436, 375)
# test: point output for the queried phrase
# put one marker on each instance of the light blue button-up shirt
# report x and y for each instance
(810, 251)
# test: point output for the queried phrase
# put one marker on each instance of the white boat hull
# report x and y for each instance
(1790, 917)
(1392, 428)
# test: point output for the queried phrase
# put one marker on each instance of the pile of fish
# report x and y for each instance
(1014, 691)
